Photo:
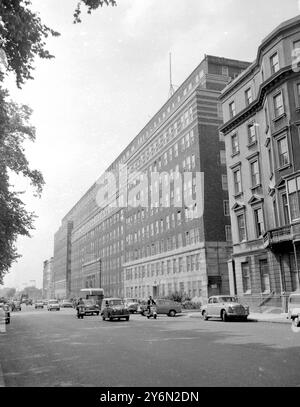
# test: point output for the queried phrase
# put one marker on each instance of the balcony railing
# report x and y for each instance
(285, 233)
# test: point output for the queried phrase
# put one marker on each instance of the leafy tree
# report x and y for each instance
(14, 219)
(22, 39)
(91, 5)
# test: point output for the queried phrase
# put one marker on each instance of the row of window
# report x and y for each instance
(172, 266)
(283, 159)
(258, 220)
(288, 284)
(186, 141)
(191, 288)
(163, 140)
(278, 101)
(160, 246)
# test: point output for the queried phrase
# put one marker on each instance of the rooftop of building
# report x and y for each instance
(266, 40)
(207, 59)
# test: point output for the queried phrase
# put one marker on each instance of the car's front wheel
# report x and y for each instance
(204, 316)
(224, 316)
(296, 322)
(172, 313)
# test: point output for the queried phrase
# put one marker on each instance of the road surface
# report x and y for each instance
(42, 348)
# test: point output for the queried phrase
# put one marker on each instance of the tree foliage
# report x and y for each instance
(14, 219)
(91, 5)
(22, 38)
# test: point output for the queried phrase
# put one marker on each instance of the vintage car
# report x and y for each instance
(5, 312)
(90, 307)
(224, 307)
(66, 304)
(132, 304)
(39, 304)
(53, 305)
(163, 306)
(294, 308)
(114, 308)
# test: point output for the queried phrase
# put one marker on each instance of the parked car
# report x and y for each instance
(225, 307)
(163, 306)
(91, 307)
(39, 304)
(66, 304)
(114, 308)
(294, 308)
(5, 312)
(132, 304)
(53, 304)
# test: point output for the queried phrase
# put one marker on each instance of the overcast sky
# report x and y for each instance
(109, 76)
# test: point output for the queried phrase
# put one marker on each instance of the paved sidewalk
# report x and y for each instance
(2, 384)
(2, 332)
(253, 316)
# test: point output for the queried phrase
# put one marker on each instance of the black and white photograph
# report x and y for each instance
(149, 198)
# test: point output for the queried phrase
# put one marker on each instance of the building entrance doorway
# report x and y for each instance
(155, 291)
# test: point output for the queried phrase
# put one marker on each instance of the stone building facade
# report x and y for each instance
(261, 111)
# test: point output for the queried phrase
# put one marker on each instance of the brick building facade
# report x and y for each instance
(140, 249)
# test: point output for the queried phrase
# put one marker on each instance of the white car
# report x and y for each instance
(53, 305)
(294, 308)
(225, 307)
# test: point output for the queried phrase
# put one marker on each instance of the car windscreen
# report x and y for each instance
(52, 302)
(89, 302)
(115, 302)
(227, 299)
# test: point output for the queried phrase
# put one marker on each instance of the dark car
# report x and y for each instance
(132, 304)
(163, 306)
(91, 307)
(114, 308)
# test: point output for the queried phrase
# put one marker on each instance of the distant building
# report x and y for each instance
(137, 251)
(48, 291)
(62, 261)
(261, 110)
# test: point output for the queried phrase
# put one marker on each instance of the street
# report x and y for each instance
(42, 348)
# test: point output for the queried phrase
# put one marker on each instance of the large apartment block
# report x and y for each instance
(140, 249)
(261, 111)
